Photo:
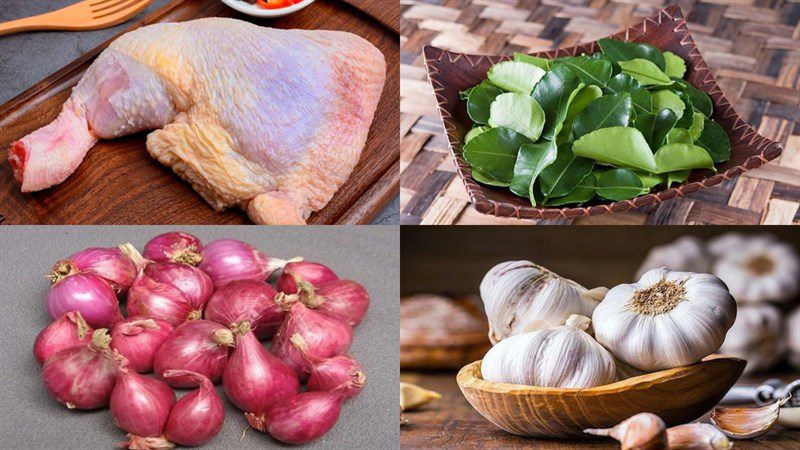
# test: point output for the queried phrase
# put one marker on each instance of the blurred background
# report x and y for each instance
(455, 259)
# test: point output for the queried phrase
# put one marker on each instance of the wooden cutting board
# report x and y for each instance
(119, 183)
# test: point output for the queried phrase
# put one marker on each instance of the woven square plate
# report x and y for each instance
(451, 73)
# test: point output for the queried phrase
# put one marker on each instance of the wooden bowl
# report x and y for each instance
(677, 395)
(451, 73)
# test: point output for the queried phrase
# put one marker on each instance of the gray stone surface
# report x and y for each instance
(27, 58)
(30, 419)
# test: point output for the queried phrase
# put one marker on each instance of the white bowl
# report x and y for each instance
(257, 11)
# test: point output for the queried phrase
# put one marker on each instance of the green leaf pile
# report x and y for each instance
(577, 129)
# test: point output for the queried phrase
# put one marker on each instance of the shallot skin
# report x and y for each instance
(300, 419)
(193, 283)
(254, 379)
(227, 260)
(174, 246)
(309, 272)
(345, 299)
(247, 300)
(69, 330)
(88, 294)
(335, 372)
(138, 339)
(111, 264)
(82, 377)
(325, 335)
(340, 372)
(140, 404)
(200, 346)
(197, 416)
(169, 291)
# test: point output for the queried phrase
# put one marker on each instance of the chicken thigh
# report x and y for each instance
(269, 120)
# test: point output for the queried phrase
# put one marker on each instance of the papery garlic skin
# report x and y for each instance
(520, 296)
(686, 253)
(563, 357)
(763, 269)
(667, 319)
(793, 337)
(756, 336)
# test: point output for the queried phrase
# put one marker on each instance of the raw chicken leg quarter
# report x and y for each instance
(269, 120)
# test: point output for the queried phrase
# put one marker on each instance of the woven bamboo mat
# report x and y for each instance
(752, 46)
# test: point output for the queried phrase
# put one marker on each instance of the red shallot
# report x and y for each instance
(170, 291)
(328, 374)
(227, 260)
(197, 416)
(247, 300)
(325, 336)
(88, 294)
(345, 299)
(253, 378)
(140, 405)
(199, 346)
(137, 339)
(308, 272)
(69, 330)
(302, 418)
(83, 377)
(111, 264)
(174, 247)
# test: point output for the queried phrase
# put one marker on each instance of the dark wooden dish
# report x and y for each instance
(119, 183)
(451, 73)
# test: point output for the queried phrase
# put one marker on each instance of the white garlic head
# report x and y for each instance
(763, 269)
(793, 337)
(563, 357)
(686, 253)
(520, 296)
(667, 319)
(756, 336)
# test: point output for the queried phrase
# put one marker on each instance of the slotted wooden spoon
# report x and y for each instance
(85, 15)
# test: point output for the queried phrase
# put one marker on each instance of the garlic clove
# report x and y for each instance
(746, 423)
(414, 397)
(643, 431)
(790, 417)
(697, 436)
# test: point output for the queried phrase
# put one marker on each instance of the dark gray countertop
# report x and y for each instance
(30, 419)
(27, 58)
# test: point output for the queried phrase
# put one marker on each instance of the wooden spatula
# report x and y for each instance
(85, 15)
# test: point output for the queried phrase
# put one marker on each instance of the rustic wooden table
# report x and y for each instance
(451, 422)
(752, 47)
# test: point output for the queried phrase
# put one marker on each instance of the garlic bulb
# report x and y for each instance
(564, 357)
(763, 269)
(686, 253)
(793, 337)
(733, 242)
(667, 319)
(756, 337)
(520, 296)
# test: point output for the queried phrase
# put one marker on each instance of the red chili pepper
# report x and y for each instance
(275, 4)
